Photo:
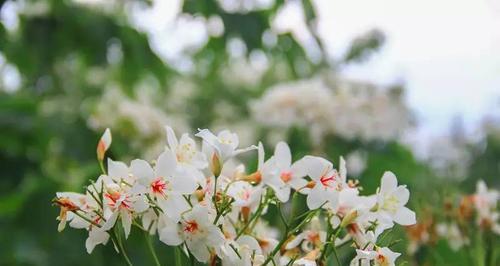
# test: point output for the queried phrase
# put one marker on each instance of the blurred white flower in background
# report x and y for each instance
(449, 158)
(352, 110)
(356, 162)
(305, 103)
(245, 71)
(10, 78)
(244, 6)
(452, 234)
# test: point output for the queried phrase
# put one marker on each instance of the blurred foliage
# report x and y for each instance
(63, 54)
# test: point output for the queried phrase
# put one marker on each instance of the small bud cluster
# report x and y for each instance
(205, 203)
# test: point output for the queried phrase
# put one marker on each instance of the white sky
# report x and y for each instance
(447, 51)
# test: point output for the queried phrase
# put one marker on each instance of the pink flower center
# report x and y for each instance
(327, 180)
(286, 176)
(114, 197)
(158, 186)
(191, 226)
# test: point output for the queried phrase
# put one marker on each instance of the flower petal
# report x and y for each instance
(405, 216)
(170, 234)
(402, 194)
(389, 182)
(314, 166)
(126, 222)
(166, 164)
(142, 170)
(315, 199)
(171, 138)
(117, 170)
(283, 155)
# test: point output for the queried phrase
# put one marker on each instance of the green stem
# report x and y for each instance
(86, 219)
(151, 248)
(178, 256)
(101, 164)
(283, 219)
(116, 238)
(336, 255)
(254, 216)
(288, 234)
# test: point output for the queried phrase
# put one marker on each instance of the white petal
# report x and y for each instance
(389, 182)
(250, 242)
(199, 250)
(184, 183)
(166, 164)
(215, 237)
(142, 170)
(173, 206)
(110, 222)
(296, 241)
(170, 235)
(283, 193)
(283, 155)
(126, 222)
(247, 149)
(315, 199)
(343, 169)
(117, 170)
(402, 194)
(140, 204)
(297, 183)
(315, 167)
(200, 161)
(299, 169)
(405, 216)
(96, 236)
(171, 138)
(208, 137)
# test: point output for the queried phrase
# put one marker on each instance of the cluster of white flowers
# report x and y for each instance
(348, 109)
(203, 202)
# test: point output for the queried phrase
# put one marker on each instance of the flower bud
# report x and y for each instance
(103, 144)
(216, 165)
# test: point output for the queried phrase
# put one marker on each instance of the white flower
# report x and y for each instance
(312, 238)
(485, 202)
(167, 183)
(198, 232)
(241, 252)
(379, 257)
(391, 201)
(327, 182)
(185, 150)
(214, 209)
(225, 143)
(69, 202)
(281, 175)
(123, 204)
(244, 194)
(346, 108)
(96, 236)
